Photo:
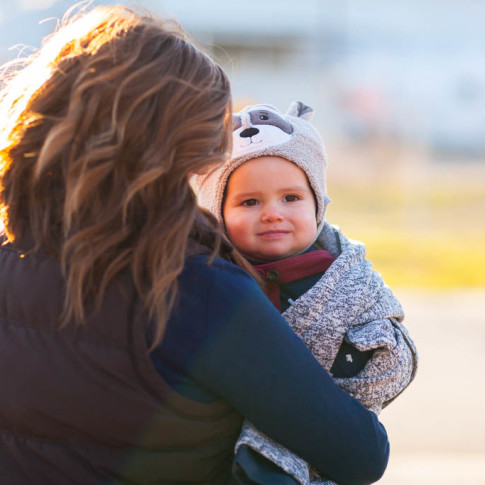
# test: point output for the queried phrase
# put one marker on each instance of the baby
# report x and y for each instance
(271, 198)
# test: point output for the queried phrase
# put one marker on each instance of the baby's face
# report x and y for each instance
(269, 210)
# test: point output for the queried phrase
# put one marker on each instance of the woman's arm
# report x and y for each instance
(251, 358)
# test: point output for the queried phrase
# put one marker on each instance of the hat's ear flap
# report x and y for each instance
(300, 110)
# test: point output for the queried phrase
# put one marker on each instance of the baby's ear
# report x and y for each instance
(300, 110)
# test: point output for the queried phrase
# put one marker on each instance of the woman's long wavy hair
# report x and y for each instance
(102, 129)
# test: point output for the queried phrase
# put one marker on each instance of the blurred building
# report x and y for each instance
(408, 71)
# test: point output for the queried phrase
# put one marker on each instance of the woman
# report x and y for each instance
(131, 347)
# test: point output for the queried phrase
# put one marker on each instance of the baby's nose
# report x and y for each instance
(270, 214)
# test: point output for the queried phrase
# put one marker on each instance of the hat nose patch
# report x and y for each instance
(249, 132)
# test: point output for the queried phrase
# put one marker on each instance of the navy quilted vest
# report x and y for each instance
(84, 404)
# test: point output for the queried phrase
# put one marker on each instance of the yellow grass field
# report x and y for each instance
(423, 224)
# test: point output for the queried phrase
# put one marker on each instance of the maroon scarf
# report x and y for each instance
(292, 269)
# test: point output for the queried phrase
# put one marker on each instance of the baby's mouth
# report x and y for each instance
(273, 233)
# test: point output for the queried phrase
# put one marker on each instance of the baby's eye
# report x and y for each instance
(250, 202)
(264, 117)
(291, 198)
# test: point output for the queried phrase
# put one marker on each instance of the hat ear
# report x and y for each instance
(236, 122)
(300, 110)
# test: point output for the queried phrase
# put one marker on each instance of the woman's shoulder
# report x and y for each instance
(221, 286)
(219, 270)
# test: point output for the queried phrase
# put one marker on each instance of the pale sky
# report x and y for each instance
(36, 4)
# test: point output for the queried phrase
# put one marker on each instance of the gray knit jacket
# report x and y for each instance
(350, 301)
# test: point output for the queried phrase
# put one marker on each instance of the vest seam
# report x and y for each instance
(33, 437)
(12, 322)
(110, 446)
(28, 253)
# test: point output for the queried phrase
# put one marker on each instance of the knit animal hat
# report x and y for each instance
(262, 130)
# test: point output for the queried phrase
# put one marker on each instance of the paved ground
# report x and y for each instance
(437, 426)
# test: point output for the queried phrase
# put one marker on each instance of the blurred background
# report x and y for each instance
(398, 90)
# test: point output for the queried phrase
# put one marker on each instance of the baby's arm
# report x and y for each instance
(391, 367)
(349, 361)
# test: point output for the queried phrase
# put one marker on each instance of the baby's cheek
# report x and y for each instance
(236, 230)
